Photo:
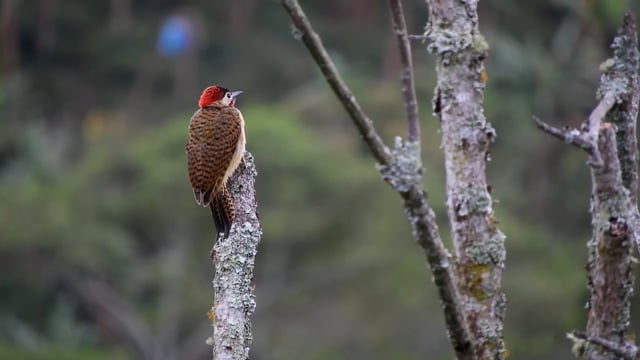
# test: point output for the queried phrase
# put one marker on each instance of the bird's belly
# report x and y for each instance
(236, 158)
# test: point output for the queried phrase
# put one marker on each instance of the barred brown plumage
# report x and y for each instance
(215, 147)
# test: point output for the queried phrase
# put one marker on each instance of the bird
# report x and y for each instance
(215, 147)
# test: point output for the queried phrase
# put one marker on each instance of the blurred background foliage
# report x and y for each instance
(104, 254)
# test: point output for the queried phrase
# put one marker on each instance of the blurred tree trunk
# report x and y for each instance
(241, 16)
(46, 25)
(120, 19)
(9, 52)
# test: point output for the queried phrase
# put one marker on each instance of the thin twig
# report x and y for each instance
(627, 350)
(585, 140)
(415, 37)
(598, 114)
(314, 44)
(408, 84)
(571, 136)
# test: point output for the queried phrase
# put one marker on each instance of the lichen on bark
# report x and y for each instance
(234, 259)
(454, 37)
(614, 208)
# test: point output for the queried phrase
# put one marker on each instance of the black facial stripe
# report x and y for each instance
(224, 91)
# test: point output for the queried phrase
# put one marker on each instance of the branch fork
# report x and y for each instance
(587, 137)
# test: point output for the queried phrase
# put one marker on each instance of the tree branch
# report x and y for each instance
(408, 85)
(402, 169)
(587, 139)
(234, 258)
(614, 209)
(621, 76)
(609, 264)
(313, 42)
(627, 350)
(454, 37)
(571, 136)
(597, 116)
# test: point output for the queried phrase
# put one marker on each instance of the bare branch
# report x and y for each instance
(585, 140)
(627, 350)
(597, 116)
(614, 210)
(621, 76)
(402, 169)
(414, 37)
(570, 136)
(314, 44)
(408, 85)
(609, 264)
(234, 258)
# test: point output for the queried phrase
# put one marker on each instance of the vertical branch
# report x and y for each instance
(402, 169)
(234, 301)
(614, 209)
(408, 85)
(609, 264)
(621, 74)
(454, 37)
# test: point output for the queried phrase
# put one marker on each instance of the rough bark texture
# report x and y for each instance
(613, 157)
(609, 264)
(614, 200)
(454, 37)
(234, 258)
(620, 75)
(401, 167)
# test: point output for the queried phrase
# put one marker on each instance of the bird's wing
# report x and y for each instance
(213, 137)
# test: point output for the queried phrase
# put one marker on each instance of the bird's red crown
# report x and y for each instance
(211, 94)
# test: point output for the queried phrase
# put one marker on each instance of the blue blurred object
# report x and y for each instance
(175, 37)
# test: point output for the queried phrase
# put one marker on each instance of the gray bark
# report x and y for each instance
(401, 167)
(614, 200)
(609, 265)
(609, 138)
(454, 37)
(234, 258)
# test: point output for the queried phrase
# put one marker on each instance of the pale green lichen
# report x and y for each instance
(405, 169)
(446, 41)
(234, 300)
(479, 43)
(488, 251)
(471, 199)
(489, 329)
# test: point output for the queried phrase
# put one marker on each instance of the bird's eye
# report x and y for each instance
(229, 95)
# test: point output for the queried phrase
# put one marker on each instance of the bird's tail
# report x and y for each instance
(223, 212)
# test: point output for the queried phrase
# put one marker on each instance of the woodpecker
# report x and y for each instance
(215, 147)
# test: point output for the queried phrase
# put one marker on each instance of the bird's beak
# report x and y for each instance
(236, 93)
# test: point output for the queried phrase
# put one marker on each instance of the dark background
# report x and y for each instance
(103, 251)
